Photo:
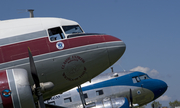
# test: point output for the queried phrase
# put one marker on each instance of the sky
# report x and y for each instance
(149, 28)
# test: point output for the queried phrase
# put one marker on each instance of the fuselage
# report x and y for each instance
(113, 87)
(67, 61)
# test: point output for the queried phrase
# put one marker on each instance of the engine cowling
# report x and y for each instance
(15, 89)
(120, 102)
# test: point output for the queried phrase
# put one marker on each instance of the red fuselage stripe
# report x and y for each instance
(43, 45)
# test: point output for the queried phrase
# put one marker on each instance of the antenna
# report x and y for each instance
(121, 67)
(31, 13)
(27, 10)
(112, 70)
(114, 74)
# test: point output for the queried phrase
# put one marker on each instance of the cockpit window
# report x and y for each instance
(140, 78)
(72, 29)
(143, 77)
(136, 79)
(55, 34)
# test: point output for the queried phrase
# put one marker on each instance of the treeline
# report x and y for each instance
(156, 104)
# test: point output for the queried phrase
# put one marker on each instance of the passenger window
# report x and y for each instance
(52, 103)
(136, 79)
(55, 34)
(67, 100)
(99, 92)
(85, 96)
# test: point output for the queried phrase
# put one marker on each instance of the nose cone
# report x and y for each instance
(115, 48)
(158, 88)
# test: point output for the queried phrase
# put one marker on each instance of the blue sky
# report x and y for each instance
(150, 29)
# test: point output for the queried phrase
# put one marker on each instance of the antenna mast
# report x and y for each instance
(112, 69)
(31, 13)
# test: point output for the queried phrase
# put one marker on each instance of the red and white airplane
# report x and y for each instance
(64, 57)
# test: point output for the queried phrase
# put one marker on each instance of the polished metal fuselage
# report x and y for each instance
(113, 87)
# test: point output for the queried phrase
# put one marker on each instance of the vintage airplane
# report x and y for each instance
(112, 90)
(49, 55)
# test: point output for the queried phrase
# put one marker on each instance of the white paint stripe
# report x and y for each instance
(22, 41)
(54, 57)
(23, 38)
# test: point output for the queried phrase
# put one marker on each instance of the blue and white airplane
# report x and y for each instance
(112, 90)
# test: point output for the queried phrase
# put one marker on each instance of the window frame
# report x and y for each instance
(49, 37)
(68, 98)
(85, 95)
(143, 77)
(72, 25)
(137, 79)
(100, 92)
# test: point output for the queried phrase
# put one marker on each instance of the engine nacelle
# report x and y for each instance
(120, 102)
(15, 89)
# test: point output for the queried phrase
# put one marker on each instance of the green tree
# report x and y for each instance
(174, 104)
(156, 104)
(142, 106)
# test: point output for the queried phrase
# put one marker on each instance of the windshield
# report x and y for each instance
(72, 29)
(136, 79)
(143, 77)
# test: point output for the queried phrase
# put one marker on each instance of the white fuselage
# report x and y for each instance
(65, 61)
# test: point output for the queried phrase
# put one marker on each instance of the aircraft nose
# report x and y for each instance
(159, 88)
(115, 48)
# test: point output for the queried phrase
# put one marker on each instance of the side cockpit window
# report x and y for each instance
(136, 79)
(143, 77)
(55, 34)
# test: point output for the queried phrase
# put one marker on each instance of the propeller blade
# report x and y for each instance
(131, 98)
(33, 69)
(36, 80)
(41, 102)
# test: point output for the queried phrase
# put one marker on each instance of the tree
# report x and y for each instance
(174, 104)
(142, 106)
(156, 104)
